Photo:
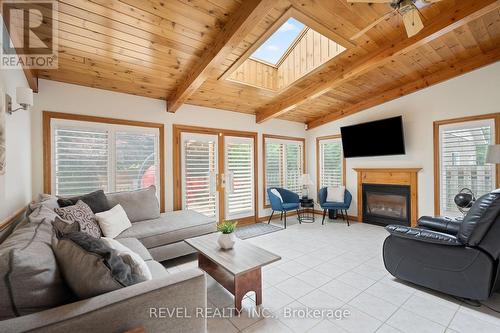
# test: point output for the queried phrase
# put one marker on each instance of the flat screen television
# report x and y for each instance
(376, 138)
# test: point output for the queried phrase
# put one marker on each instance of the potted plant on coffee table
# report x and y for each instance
(227, 238)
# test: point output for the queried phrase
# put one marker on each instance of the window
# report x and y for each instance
(275, 47)
(330, 161)
(462, 154)
(90, 155)
(283, 163)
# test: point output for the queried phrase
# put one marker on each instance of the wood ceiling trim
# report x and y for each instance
(239, 25)
(462, 13)
(451, 71)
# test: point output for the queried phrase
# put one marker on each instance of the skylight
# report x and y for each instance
(273, 49)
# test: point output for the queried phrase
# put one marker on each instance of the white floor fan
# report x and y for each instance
(408, 9)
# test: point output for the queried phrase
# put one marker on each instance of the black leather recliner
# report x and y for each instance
(460, 258)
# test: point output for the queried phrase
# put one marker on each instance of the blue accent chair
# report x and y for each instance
(338, 206)
(291, 201)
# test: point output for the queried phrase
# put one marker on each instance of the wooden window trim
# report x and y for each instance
(318, 178)
(436, 125)
(177, 130)
(279, 137)
(47, 144)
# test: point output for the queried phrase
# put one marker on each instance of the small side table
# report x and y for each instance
(307, 210)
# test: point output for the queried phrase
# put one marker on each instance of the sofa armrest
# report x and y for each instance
(423, 235)
(440, 223)
(148, 304)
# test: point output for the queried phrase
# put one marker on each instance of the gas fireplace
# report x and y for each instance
(386, 204)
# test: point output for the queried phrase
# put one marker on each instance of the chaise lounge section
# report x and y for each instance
(154, 236)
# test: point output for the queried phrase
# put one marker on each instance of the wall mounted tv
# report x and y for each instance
(376, 138)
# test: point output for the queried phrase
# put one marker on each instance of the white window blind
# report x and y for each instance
(330, 162)
(89, 156)
(463, 149)
(199, 167)
(239, 175)
(284, 164)
(80, 160)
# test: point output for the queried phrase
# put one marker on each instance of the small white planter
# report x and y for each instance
(226, 241)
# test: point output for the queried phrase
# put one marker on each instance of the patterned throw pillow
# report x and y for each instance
(83, 215)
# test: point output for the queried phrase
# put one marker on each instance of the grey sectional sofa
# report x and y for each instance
(162, 234)
(156, 238)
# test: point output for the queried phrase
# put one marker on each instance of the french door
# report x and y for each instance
(217, 175)
(199, 173)
(239, 178)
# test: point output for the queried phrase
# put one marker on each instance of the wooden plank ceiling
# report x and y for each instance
(161, 48)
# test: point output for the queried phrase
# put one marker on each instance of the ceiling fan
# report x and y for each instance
(408, 9)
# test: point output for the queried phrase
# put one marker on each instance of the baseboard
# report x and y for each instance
(12, 218)
(316, 212)
(275, 216)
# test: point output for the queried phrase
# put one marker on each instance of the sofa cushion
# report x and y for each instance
(97, 201)
(90, 267)
(137, 247)
(139, 205)
(30, 279)
(83, 215)
(170, 227)
(157, 270)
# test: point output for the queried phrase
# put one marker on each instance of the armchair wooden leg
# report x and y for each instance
(281, 216)
(285, 218)
(324, 214)
(347, 217)
(270, 217)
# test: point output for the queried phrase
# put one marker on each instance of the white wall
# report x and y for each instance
(61, 97)
(15, 184)
(471, 94)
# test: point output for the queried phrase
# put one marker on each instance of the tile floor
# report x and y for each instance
(339, 267)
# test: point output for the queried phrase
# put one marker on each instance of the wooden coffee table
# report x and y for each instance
(238, 270)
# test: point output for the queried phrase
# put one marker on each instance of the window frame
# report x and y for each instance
(283, 138)
(437, 158)
(318, 159)
(47, 118)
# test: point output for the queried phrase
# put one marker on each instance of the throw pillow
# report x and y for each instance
(139, 205)
(90, 267)
(97, 201)
(277, 193)
(335, 194)
(83, 215)
(138, 265)
(113, 222)
(30, 279)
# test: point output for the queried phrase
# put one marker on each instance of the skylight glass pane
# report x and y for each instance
(273, 49)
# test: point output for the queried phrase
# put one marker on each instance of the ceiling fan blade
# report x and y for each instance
(412, 21)
(370, 1)
(374, 23)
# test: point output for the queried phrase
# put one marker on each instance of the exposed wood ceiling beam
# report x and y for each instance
(453, 70)
(235, 30)
(462, 13)
(28, 72)
(31, 78)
